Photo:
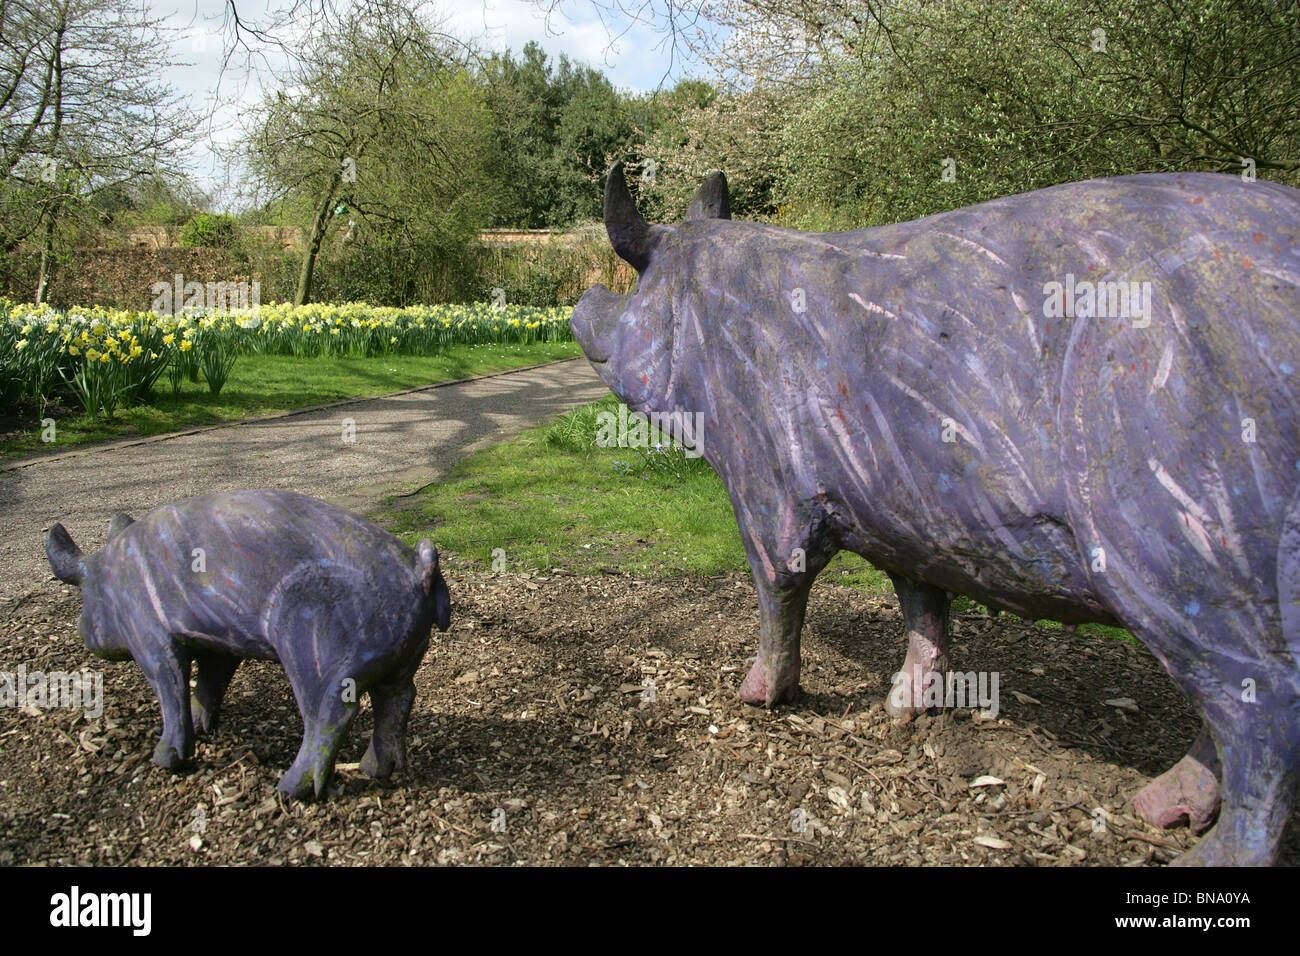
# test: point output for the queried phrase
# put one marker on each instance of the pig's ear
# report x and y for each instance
(629, 233)
(712, 200)
(119, 523)
(65, 556)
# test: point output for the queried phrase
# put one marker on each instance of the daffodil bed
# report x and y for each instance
(111, 358)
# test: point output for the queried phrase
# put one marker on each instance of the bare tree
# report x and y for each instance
(81, 110)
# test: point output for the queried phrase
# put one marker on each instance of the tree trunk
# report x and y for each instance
(303, 295)
(47, 257)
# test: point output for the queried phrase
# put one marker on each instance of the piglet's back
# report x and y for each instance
(231, 565)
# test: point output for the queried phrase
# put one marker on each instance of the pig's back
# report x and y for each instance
(1170, 441)
(1062, 426)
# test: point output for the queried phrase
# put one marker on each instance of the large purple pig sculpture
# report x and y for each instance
(1077, 404)
(343, 605)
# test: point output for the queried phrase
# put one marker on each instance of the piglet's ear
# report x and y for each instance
(441, 603)
(433, 584)
(427, 562)
(65, 556)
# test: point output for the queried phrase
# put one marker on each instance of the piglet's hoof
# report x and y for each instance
(373, 767)
(168, 757)
(205, 721)
(1188, 789)
(297, 784)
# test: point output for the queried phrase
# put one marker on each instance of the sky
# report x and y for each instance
(634, 60)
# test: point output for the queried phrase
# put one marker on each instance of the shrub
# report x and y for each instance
(209, 229)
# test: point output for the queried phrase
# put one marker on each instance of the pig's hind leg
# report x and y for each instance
(1189, 789)
(1259, 757)
(1253, 710)
(1255, 733)
(925, 615)
(214, 672)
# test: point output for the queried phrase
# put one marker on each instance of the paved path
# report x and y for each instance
(402, 441)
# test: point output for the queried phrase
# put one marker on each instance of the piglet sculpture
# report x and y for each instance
(343, 605)
(1078, 404)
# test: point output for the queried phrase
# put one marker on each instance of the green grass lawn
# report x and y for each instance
(265, 384)
(552, 499)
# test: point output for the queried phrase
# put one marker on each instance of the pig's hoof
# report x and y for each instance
(1212, 852)
(901, 707)
(907, 698)
(1188, 789)
(753, 690)
(759, 689)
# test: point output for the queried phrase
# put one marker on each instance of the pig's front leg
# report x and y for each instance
(783, 575)
(387, 751)
(214, 672)
(774, 678)
(166, 667)
(327, 713)
(925, 615)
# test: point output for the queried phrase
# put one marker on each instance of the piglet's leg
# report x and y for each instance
(215, 670)
(925, 615)
(325, 725)
(166, 667)
(1189, 789)
(392, 704)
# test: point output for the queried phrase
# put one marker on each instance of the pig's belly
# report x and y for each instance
(1043, 577)
(244, 639)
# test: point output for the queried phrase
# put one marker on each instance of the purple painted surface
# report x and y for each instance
(343, 605)
(937, 397)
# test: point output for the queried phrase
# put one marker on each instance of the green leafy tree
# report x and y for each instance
(890, 110)
(556, 127)
(378, 135)
(966, 103)
(699, 130)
